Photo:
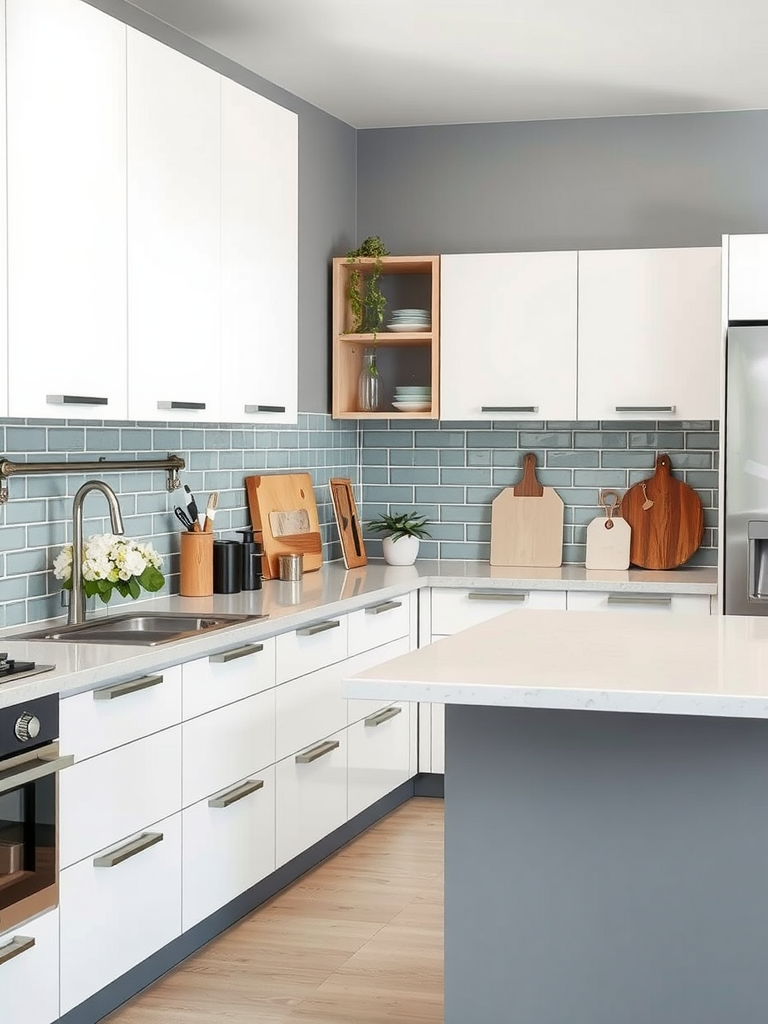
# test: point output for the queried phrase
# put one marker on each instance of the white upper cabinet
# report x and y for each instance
(66, 210)
(508, 336)
(748, 277)
(3, 229)
(259, 258)
(649, 334)
(174, 234)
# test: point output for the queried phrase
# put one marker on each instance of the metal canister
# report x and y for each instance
(290, 567)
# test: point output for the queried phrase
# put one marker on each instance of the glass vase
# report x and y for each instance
(369, 385)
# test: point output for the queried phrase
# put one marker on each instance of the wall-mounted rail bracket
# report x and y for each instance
(172, 464)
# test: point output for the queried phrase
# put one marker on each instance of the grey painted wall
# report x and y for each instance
(327, 197)
(671, 180)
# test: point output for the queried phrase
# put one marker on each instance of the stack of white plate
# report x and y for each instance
(413, 399)
(410, 320)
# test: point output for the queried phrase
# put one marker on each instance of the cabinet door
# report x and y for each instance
(259, 258)
(379, 755)
(658, 604)
(748, 277)
(66, 210)
(649, 334)
(174, 227)
(508, 336)
(29, 971)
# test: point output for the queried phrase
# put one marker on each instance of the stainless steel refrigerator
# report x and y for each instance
(746, 471)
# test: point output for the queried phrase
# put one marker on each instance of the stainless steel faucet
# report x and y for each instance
(77, 597)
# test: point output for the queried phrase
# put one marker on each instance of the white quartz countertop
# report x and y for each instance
(600, 661)
(330, 591)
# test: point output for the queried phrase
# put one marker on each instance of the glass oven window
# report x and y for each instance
(27, 840)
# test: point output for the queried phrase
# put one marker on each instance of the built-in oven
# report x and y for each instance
(29, 767)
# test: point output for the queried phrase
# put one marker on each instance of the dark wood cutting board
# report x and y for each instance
(666, 518)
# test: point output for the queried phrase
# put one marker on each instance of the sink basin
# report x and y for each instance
(143, 628)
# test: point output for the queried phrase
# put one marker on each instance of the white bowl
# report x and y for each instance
(412, 406)
(409, 327)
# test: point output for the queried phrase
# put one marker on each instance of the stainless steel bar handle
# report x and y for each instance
(230, 796)
(31, 771)
(235, 653)
(645, 408)
(385, 606)
(655, 599)
(264, 408)
(181, 405)
(383, 716)
(509, 408)
(18, 944)
(76, 400)
(498, 595)
(315, 752)
(130, 849)
(319, 627)
(129, 686)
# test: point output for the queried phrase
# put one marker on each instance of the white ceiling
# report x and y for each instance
(377, 63)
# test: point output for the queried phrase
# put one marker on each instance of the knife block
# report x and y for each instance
(196, 567)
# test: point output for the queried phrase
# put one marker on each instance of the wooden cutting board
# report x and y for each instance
(608, 537)
(527, 523)
(348, 521)
(666, 518)
(293, 495)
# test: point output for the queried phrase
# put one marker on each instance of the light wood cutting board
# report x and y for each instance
(527, 523)
(286, 493)
(608, 537)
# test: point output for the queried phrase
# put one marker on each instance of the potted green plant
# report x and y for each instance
(403, 532)
(366, 301)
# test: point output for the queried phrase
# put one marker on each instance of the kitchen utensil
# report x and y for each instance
(192, 510)
(183, 518)
(290, 566)
(284, 492)
(210, 511)
(666, 518)
(283, 523)
(527, 523)
(608, 536)
(352, 545)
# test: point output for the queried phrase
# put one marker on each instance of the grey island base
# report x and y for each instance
(605, 868)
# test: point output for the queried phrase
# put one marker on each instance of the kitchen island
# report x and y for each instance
(606, 827)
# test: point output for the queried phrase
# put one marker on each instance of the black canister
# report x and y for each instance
(227, 567)
(251, 561)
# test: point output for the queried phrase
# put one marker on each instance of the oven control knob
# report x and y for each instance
(27, 727)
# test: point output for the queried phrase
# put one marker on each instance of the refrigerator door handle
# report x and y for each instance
(757, 560)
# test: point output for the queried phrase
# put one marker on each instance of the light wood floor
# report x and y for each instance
(359, 940)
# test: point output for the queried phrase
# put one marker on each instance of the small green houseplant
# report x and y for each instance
(366, 301)
(402, 531)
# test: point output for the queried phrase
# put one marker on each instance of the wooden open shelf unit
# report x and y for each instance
(402, 358)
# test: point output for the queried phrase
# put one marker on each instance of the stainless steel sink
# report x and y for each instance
(146, 629)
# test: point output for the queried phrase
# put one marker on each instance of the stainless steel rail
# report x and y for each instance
(171, 464)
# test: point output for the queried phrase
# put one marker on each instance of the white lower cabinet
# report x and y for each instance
(311, 790)
(379, 756)
(456, 609)
(686, 604)
(117, 907)
(29, 967)
(229, 844)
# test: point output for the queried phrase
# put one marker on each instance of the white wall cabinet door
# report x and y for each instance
(66, 74)
(174, 229)
(649, 334)
(3, 227)
(259, 253)
(748, 277)
(508, 336)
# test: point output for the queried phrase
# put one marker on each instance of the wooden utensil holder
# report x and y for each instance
(196, 569)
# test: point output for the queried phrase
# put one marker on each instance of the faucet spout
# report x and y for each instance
(77, 597)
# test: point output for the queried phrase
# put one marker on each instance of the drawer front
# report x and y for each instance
(116, 913)
(378, 760)
(227, 676)
(229, 845)
(226, 745)
(108, 797)
(686, 604)
(311, 647)
(311, 795)
(379, 623)
(357, 709)
(119, 713)
(454, 610)
(29, 971)
(437, 746)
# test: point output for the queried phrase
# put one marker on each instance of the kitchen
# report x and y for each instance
(332, 158)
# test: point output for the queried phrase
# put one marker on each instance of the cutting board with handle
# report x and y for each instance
(527, 523)
(347, 520)
(608, 536)
(280, 502)
(666, 518)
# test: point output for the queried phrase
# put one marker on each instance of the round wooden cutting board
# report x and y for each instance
(666, 517)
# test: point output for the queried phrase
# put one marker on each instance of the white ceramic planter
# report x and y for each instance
(400, 550)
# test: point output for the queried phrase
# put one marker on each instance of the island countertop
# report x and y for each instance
(593, 661)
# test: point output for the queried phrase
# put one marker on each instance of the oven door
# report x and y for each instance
(29, 834)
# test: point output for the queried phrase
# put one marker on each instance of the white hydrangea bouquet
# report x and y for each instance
(112, 564)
